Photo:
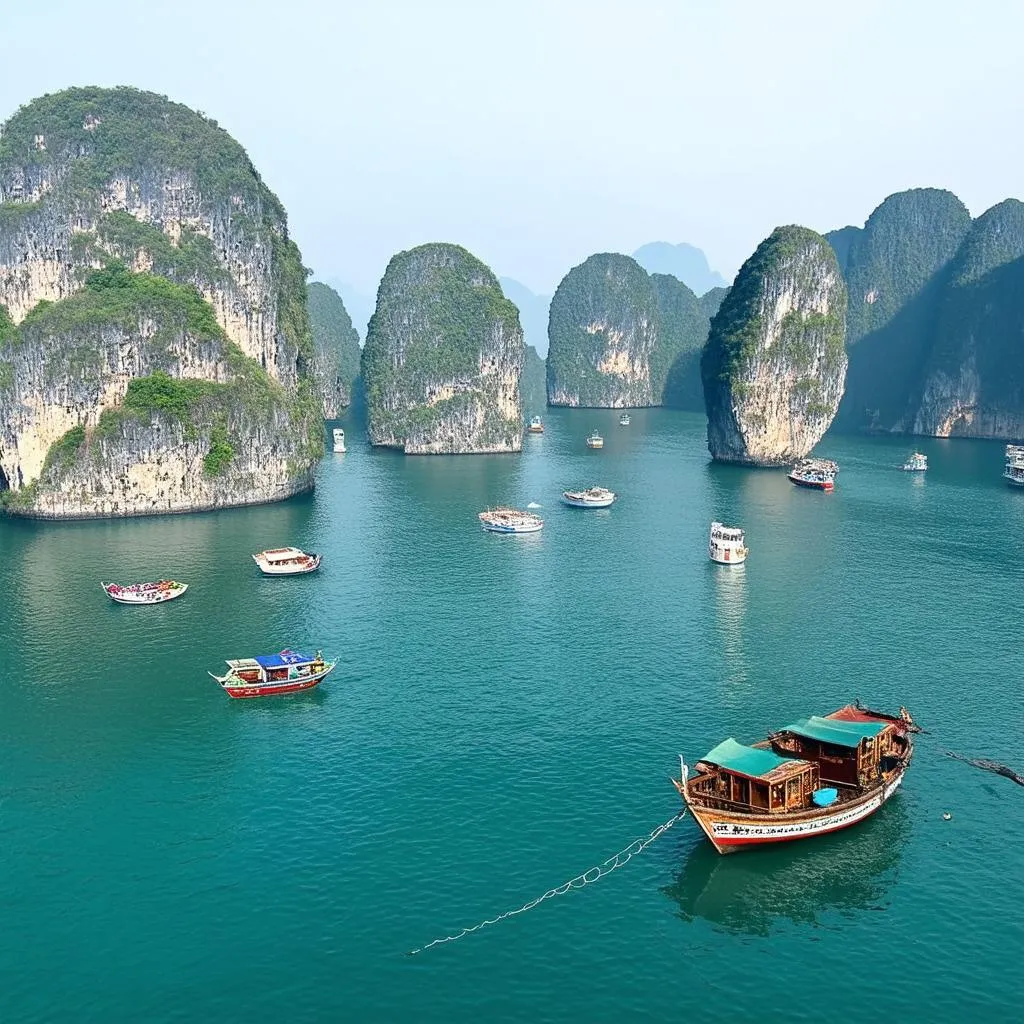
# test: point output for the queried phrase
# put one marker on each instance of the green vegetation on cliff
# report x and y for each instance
(100, 133)
(675, 359)
(533, 384)
(441, 320)
(737, 327)
(335, 340)
(905, 241)
(115, 296)
(603, 325)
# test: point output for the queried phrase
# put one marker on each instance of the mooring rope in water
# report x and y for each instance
(989, 766)
(606, 867)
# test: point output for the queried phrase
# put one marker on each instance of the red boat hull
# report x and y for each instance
(270, 690)
(814, 485)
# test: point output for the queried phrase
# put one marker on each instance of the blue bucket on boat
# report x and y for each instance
(825, 797)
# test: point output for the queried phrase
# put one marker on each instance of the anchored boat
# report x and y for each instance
(818, 474)
(809, 778)
(624, 420)
(145, 593)
(286, 561)
(510, 520)
(726, 545)
(595, 440)
(271, 674)
(536, 426)
(917, 463)
(1013, 474)
(339, 440)
(592, 497)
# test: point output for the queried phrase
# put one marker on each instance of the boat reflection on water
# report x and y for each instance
(730, 600)
(848, 871)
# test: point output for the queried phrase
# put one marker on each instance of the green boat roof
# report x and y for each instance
(752, 761)
(837, 731)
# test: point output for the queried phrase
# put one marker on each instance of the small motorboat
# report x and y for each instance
(286, 561)
(510, 520)
(917, 463)
(268, 675)
(339, 440)
(624, 420)
(592, 497)
(145, 593)
(536, 426)
(726, 545)
(595, 440)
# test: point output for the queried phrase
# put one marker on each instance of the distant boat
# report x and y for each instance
(595, 440)
(536, 426)
(534, 504)
(510, 520)
(272, 674)
(1013, 474)
(817, 474)
(815, 776)
(592, 497)
(145, 593)
(917, 463)
(286, 562)
(726, 545)
(339, 440)
(624, 420)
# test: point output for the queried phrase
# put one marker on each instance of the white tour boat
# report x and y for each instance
(1013, 474)
(339, 440)
(145, 593)
(592, 497)
(727, 545)
(917, 463)
(510, 520)
(536, 426)
(595, 440)
(624, 420)
(286, 562)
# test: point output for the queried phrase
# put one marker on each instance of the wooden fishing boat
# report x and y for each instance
(536, 426)
(595, 440)
(809, 778)
(270, 675)
(145, 593)
(510, 520)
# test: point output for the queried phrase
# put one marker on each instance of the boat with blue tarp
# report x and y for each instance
(813, 776)
(268, 675)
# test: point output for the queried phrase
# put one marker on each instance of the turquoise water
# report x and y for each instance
(506, 713)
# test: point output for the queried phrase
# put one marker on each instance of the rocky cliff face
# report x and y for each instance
(533, 384)
(972, 382)
(336, 349)
(443, 357)
(602, 330)
(775, 363)
(683, 328)
(891, 266)
(93, 178)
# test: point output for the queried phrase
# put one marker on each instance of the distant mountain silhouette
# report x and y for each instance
(360, 306)
(685, 262)
(533, 313)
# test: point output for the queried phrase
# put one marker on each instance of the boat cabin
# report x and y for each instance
(753, 780)
(271, 668)
(849, 752)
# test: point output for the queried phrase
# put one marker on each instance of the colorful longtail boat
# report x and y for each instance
(809, 778)
(268, 675)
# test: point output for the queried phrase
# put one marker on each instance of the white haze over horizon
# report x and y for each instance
(537, 133)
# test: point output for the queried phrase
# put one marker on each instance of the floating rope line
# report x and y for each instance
(606, 867)
(989, 766)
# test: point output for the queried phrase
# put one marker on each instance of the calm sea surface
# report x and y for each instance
(506, 713)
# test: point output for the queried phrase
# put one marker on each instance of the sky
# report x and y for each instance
(538, 133)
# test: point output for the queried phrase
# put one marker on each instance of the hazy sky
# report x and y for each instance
(538, 133)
